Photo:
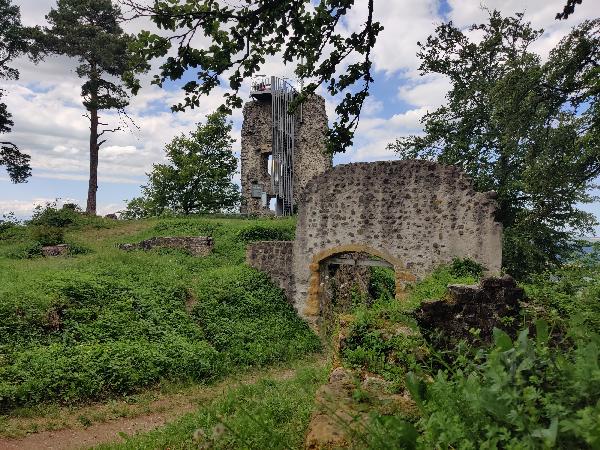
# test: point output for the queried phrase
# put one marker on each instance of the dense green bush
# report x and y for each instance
(66, 372)
(465, 267)
(518, 395)
(276, 232)
(187, 227)
(52, 216)
(7, 222)
(24, 250)
(111, 322)
(47, 235)
(541, 392)
(382, 339)
(382, 283)
(243, 314)
(569, 293)
(69, 216)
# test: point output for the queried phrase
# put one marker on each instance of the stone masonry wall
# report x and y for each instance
(274, 258)
(309, 159)
(414, 214)
(493, 303)
(196, 245)
(256, 146)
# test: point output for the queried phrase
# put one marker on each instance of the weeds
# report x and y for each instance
(105, 323)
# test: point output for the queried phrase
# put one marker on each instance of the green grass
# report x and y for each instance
(384, 338)
(110, 322)
(270, 414)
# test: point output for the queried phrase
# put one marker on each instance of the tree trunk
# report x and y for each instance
(93, 184)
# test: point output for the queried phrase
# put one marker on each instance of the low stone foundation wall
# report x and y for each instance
(55, 250)
(493, 303)
(275, 259)
(196, 245)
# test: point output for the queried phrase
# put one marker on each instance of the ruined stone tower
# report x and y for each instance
(281, 152)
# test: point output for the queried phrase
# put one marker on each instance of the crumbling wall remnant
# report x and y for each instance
(493, 303)
(414, 214)
(275, 259)
(195, 245)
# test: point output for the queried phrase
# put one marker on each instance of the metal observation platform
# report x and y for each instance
(279, 93)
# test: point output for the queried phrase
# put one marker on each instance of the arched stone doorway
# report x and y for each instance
(314, 304)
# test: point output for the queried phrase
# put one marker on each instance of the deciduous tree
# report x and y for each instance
(240, 38)
(197, 178)
(14, 41)
(527, 129)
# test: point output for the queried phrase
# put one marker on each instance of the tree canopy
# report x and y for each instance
(90, 31)
(240, 38)
(526, 129)
(197, 178)
(14, 41)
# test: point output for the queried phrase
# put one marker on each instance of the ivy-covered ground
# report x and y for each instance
(104, 325)
(103, 322)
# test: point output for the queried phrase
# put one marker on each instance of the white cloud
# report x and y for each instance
(24, 208)
(48, 114)
(428, 91)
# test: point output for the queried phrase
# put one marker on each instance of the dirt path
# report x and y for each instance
(164, 408)
(93, 435)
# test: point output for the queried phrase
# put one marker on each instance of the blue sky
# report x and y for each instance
(47, 110)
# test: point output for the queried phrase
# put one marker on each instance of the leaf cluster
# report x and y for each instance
(524, 128)
(521, 394)
(15, 40)
(241, 37)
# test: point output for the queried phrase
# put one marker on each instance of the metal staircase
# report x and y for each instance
(281, 94)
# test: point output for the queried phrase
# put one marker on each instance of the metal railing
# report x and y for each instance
(261, 83)
(282, 173)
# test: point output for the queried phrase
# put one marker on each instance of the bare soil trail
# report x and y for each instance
(86, 426)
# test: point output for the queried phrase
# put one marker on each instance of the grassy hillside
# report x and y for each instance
(104, 322)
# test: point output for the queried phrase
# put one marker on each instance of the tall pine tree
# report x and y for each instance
(89, 30)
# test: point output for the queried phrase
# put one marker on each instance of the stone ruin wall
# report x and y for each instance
(309, 157)
(416, 215)
(195, 245)
(275, 259)
(256, 143)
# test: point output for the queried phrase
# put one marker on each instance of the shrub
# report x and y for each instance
(186, 227)
(382, 283)
(96, 370)
(48, 235)
(252, 233)
(7, 222)
(78, 249)
(569, 293)
(51, 216)
(465, 267)
(521, 394)
(25, 250)
(11, 229)
(243, 314)
(382, 340)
